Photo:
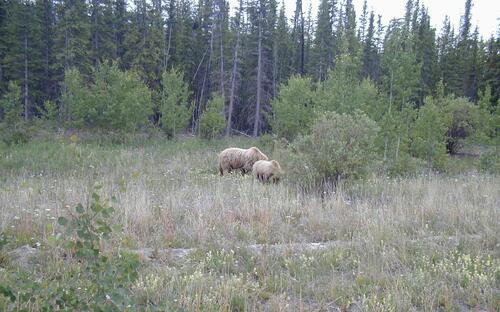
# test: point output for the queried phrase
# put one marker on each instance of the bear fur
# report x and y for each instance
(238, 158)
(267, 171)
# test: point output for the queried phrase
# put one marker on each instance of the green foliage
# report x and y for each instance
(115, 100)
(487, 112)
(50, 114)
(337, 92)
(294, 108)
(464, 121)
(490, 161)
(10, 103)
(429, 135)
(339, 146)
(212, 121)
(400, 69)
(174, 105)
(75, 97)
(89, 279)
(12, 129)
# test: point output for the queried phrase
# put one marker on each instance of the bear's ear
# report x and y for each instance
(274, 162)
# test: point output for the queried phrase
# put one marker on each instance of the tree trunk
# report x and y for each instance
(234, 72)
(167, 52)
(207, 72)
(221, 51)
(389, 113)
(302, 47)
(275, 67)
(259, 80)
(25, 77)
(95, 33)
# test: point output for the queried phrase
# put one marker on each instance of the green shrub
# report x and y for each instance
(293, 109)
(88, 280)
(340, 146)
(10, 104)
(405, 165)
(212, 121)
(490, 161)
(463, 122)
(429, 135)
(50, 113)
(174, 106)
(13, 130)
(114, 100)
(18, 135)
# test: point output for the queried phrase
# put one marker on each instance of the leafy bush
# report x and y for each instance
(293, 109)
(340, 146)
(490, 161)
(13, 130)
(405, 165)
(429, 135)
(174, 105)
(463, 122)
(10, 104)
(115, 100)
(212, 121)
(18, 135)
(88, 280)
(50, 113)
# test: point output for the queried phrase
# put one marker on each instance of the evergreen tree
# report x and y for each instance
(212, 121)
(22, 59)
(324, 40)
(174, 106)
(492, 70)
(350, 43)
(363, 22)
(10, 105)
(47, 17)
(371, 63)
(73, 38)
(426, 55)
(298, 38)
(283, 50)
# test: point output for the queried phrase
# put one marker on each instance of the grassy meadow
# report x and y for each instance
(429, 242)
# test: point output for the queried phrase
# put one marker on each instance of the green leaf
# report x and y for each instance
(62, 221)
(7, 292)
(80, 209)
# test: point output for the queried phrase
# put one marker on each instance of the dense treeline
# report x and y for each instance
(63, 57)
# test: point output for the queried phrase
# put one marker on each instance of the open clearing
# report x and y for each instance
(424, 243)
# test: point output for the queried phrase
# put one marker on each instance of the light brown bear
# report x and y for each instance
(238, 158)
(267, 171)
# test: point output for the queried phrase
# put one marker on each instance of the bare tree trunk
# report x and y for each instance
(25, 77)
(167, 52)
(221, 50)
(207, 72)
(389, 113)
(234, 72)
(63, 109)
(95, 33)
(275, 67)
(302, 48)
(259, 80)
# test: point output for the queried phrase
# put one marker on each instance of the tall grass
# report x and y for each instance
(427, 242)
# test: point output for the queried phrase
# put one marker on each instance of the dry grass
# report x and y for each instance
(396, 256)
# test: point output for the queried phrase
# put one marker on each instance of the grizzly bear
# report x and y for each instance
(267, 171)
(239, 158)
